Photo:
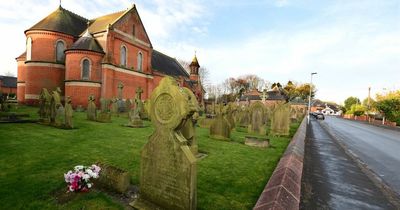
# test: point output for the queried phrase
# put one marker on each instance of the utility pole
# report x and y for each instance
(309, 99)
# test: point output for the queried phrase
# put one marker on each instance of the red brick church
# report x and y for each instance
(85, 57)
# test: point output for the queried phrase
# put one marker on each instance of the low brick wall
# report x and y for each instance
(283, 188)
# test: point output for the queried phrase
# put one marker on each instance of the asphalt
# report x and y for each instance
(332, 179)
(378, 148)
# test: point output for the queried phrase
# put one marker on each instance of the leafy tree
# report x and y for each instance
(389, 105)
(356, 109)
(350, 101)
(304, 91)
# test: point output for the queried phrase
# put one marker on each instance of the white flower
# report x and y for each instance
(79, 167)
(86, 177)
(89, 185)
(70, 189)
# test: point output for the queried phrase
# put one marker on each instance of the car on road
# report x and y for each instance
(318, 116)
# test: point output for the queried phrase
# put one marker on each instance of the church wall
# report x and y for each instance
(21, 77)
(112, 77)
(42, 75)
(74, 59)
(44, 44)
(80, 91)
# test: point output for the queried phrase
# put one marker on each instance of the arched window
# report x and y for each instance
(60, 47)
(139, 61)
(85, 69)
(123, 56)
(29, 49)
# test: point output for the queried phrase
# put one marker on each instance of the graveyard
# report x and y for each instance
(34, 158)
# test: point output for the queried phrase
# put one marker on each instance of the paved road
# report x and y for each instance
(377, 147)
(332, 180)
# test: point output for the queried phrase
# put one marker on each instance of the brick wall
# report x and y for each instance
(74, 59)
(79, 94)
(44, 44)
(41, 76)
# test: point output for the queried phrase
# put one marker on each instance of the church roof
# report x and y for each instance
(101, 23)
(87, 42)
(195, 62)
(167, 65)
(63, 21)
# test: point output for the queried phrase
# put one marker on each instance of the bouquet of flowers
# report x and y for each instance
(79, 179)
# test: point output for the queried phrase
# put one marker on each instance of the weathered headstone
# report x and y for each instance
(121, 103)
(220, 128)
(114, 106)
(91, 109)
(280, 123)
(56, 108)
(244, 117)
(104, 115)
(113, 178)
(139, 103)
(188, 128)
(228, 112)
(134, 119)
(168, 173)
(44, 102)
(68, 113)
(257, 119)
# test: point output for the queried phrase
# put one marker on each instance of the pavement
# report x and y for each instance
(331, 178)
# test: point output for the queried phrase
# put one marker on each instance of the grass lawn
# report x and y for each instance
(34, 157)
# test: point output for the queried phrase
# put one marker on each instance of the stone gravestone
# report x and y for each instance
(188, 128)
(44, 104)
(168, 173)
(104, 115)
(134, 115)
(68, 113)
(257, 118)
(228, 110)
(56, 108)
(244, 117)
(220, 128)
(91, 109)
(280, 123)
(121, 103)
(114, 107)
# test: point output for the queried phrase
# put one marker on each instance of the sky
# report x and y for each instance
(352, 45)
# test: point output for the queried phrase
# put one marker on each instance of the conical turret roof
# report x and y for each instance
(63, 21)
(87, 42)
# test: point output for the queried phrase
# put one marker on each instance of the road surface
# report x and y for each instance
(377, 147)
(331, 178)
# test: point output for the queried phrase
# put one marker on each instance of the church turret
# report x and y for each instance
(194, 69)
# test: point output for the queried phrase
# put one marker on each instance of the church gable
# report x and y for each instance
(131, 24)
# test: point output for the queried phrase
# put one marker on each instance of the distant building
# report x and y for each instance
(93, 57)
(8, 85)
(267, 97)
(325, 107)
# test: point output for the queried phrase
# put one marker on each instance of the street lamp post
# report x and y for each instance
(309, 99)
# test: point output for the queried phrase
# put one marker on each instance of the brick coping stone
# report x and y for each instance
(283, 188)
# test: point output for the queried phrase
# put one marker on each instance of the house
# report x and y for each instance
(94, 57)
(8, 85)
(271, 97)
